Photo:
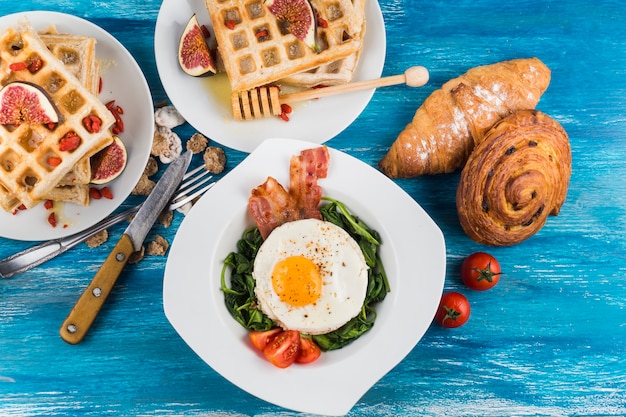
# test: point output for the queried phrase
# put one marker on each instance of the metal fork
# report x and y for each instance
(193, 185)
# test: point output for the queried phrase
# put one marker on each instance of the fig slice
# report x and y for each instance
(298, 17)
(109, 163)
(194, 55)
(24, 102)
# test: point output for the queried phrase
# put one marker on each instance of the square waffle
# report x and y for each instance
(78, 54)
(25, 175)
(251, 59)
(341, 70)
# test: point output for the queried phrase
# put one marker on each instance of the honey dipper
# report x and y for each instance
(266, 101)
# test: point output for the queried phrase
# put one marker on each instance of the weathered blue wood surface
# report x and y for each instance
(550, 339)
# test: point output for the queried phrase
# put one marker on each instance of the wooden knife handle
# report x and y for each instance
(88, 306)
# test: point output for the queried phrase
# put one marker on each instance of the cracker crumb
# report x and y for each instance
(152, 167)
(197, 143)
(166, 144)
(214, 159)
(136, 256)
(144, 186)
(97, 239)
(166, 218)
(159, 143)
(158, 246)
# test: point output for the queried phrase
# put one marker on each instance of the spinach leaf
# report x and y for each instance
(240, 298)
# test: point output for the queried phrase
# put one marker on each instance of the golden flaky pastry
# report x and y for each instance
(514, 179)
(453, 119)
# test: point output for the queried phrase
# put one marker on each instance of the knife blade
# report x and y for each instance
(86, 309)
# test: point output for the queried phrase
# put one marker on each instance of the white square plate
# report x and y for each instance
(194, 303)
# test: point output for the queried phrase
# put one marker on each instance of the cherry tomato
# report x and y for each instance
(283, 349)
(480, 271)
(453, 311)
(309, 351)
(260, 339)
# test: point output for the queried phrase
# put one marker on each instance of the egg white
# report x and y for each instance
(341, 265)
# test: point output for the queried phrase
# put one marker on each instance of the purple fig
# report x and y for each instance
(24, 102)
(299, 18)
(109, 163)
(194, 55)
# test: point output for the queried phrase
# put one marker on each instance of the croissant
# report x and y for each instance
(453, 119)
(514, 179)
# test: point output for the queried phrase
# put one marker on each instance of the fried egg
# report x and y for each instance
(311, 276)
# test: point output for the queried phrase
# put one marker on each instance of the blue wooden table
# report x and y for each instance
(549, 339)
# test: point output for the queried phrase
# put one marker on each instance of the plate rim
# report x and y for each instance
(139, 156)
(180, 305)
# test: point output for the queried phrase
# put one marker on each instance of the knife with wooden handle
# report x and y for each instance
(88, 306)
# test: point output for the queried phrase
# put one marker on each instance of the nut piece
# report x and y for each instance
(197, 143)
(169, 117)
(166, 218)
(97, 239)
(214, 159)
(152, 167)
(166, 144)
(144, 186)
(157, 247)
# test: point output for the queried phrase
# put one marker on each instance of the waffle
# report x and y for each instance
(333, 73)
(25, 176)
(251, 60)
(78, 54)
(336, 72)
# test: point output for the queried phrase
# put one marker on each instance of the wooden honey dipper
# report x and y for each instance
(266, 101)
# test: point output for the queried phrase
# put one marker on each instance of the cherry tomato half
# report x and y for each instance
(453, 310)
(480, 271)
(283, 349)
(260, 339)
(309, 351)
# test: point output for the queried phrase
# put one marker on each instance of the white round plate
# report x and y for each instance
(205, 102)
(122, 81)
(194, 303)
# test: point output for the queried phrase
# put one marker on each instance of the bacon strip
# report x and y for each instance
(304, 171)
(271, 205)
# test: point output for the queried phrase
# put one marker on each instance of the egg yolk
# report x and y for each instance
(297, 281)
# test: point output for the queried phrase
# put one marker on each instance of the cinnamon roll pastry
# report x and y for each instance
(514, 179)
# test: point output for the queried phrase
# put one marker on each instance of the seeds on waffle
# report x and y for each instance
(257, 50)
(34, 157)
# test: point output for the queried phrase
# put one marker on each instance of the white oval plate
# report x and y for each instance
(194, 303)
(205, 102)
(123, 82)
